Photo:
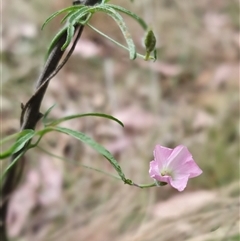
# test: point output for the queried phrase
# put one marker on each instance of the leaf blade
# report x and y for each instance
(84, 115)
(22, 139)
(97, 147)
(120, 22)
(130, 14)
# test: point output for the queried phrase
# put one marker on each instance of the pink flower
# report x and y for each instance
(173, 166)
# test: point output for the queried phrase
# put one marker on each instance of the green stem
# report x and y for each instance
(147, 185)
(36, 143)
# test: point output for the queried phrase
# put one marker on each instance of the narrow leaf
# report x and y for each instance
(72, 8)
(55, 39)
(56, 122)
(129, 13)
(87, 140)
(23, 138)
(45, 116)
(12, 137)
(119, 20)
(70, 34)
(10, 166)
(68, 15)
(78, 15)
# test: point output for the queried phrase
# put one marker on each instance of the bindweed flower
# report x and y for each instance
(173, 166)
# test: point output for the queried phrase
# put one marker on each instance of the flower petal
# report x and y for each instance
(179, 156)
(161, 155)
(194, 169)
(155, 173)
(179, 183)
(190, 168)
(163, 178)
(182, 163)
(154, 170)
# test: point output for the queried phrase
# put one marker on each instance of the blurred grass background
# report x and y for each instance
(189, 96)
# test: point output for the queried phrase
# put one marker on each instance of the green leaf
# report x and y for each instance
(72, 8)
(119, 20)
(87, 140)
(45, 116)
(74, 11)
(71, 15)
(68, 15)
(56, 122)
(55, 39)
(22, 139)
(11, 165)
(10, 137)
(131, 14)
(70, 34)
(105, 1)
(78, 15)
